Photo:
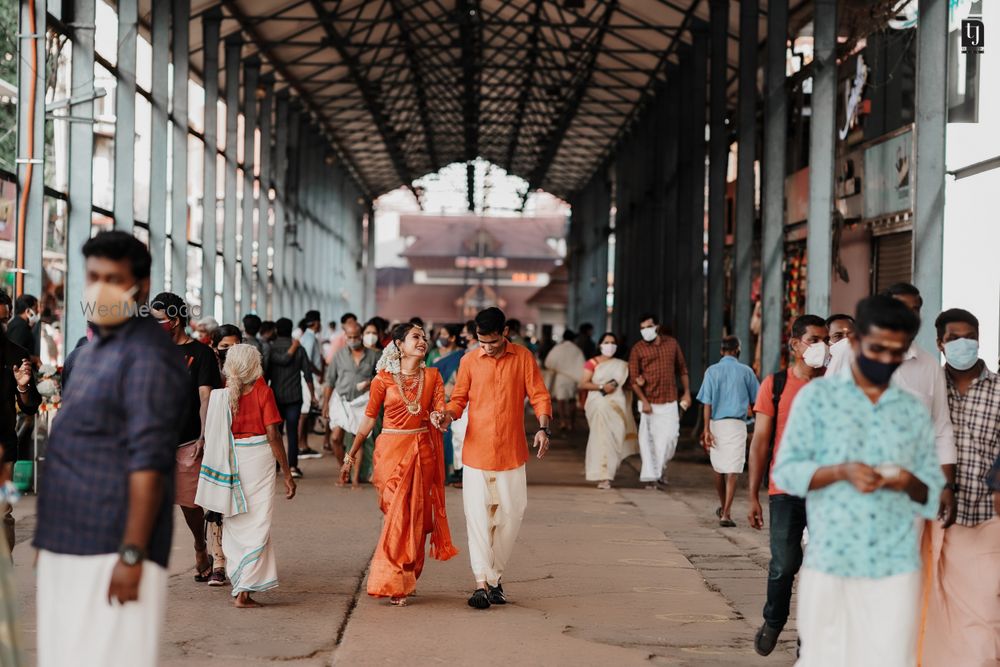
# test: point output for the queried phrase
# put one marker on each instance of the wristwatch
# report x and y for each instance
(130, 555)
(953, 486)
(546, 430)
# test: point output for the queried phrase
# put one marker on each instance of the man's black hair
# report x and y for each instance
(649, 316)
(903, 289)
(251, 324)
(267, 325)
(454, 330)
(5, 299)
(730, 344)
(514, 325)
(803, 322)
(955, 315)
(836, 317)
(172, 305)
(311, 316)
(569, 336)
(284, 327)
(490, 321)
(24, 302)
(586, 328)
(224, 331)
(886, 312)
(348, 316)
(117, 246)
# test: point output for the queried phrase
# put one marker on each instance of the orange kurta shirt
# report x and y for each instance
(494, 390)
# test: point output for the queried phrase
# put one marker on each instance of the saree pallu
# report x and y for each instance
(612, 429)
(409, 478)
(246, 540)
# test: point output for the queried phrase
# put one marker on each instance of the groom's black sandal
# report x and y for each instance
(495, 594)
(479, 599)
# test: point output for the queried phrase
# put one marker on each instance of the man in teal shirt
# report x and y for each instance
(862, 454)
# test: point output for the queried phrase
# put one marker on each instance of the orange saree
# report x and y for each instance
(409, 478)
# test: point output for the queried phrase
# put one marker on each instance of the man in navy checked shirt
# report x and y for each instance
(105, 508)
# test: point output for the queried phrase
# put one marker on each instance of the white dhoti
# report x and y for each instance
(658, 433)
(76, 624)
(494, 503)
(729, 454)
(458, 429)
(246, 540)
(563, 387)
(858, 622)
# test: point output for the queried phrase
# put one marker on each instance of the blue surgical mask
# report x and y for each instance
(962, 353)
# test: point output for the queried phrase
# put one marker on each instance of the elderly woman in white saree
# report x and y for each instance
(612, 427)
(242, 443)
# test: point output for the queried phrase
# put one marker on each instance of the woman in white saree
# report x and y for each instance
(612, 427)
(242, 444)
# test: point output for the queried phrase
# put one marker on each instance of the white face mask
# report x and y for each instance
(817, 355)
(648, 334)
(369, 339)
(608, 349)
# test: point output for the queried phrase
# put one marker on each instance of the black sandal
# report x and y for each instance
(479, 600)
(205, 575)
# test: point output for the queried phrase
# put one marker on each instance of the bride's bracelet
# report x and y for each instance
(348, 459)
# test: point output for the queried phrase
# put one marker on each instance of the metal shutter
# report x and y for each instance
(893, 259)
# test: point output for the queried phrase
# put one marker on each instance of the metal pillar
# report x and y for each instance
(718, 165)
(81, 165)
(745, 186)
(31, 70)
(234, 46)
(261, 295)
(179, 109)
(931, 125)
(369, 307)
(298, 152)
(209, 202)
(682, 248)
(773, 181)
(672, 199)
(158, 150)
(279, 303)
(695, 354)
(251, 73)
(821, 157)
(128, 29)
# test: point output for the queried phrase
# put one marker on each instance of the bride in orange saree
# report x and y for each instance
(408, 466)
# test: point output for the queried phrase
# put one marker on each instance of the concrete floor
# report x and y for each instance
(627, 576)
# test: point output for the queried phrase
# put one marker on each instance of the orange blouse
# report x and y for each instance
(383, 391)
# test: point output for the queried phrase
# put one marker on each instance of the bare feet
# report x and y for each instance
(244, 601)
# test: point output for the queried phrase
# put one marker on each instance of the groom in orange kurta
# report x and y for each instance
(494, 381)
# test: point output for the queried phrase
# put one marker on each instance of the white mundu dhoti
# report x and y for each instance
(76, 624)
(494, 502)
(729, 453)
(458, 429)
(658, 433)
(858, 622)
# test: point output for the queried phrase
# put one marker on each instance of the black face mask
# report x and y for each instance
(222, 355)
(875, 371)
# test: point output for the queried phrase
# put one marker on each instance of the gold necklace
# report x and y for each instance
(413, 407)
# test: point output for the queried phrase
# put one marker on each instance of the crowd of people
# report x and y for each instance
(882, 466)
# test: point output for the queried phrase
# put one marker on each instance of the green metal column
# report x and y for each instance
(821, 158)
(179, 109)
(31, 68)
(158, 146)
(773, 182)
(262, 303)
(81, 165)
(746, 207)
(209, 237)
(128, 29)
(251, 73)
(280, 295)
(234, 47)
(931, 126)
(718, 165)
(696, 295)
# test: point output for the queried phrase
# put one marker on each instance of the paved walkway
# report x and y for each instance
(627, 576)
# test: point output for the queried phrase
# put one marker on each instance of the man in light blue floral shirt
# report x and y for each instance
(862, 454)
